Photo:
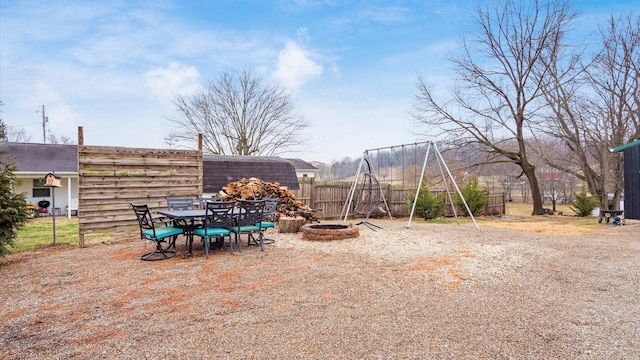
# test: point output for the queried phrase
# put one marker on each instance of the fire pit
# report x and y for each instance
(329, 232)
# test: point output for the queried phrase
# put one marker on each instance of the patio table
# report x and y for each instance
(190, 219)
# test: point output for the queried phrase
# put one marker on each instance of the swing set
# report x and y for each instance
(366, 195)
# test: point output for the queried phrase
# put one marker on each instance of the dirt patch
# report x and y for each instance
(515, 289)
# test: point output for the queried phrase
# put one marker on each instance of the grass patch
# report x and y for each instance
(566, 224)
(522, 209)
(39, 232)
(518, 217)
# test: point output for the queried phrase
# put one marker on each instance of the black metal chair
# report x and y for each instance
(249, 222)
(160, 235)
(216, 224)
(174, 203)
(203, 201)
(269, 216)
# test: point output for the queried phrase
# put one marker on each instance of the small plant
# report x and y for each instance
(584, 204)
(476, 198)
(428, 205)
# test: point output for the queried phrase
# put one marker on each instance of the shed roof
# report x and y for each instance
(300, 164)
(32, 157)
(219, 170)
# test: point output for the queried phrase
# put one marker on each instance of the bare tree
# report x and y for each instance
(17, 135)
(171, 140)
(500, 90)
(240, 114)
(3, 126)
(11, 134)
(597, 109)
(58, 139)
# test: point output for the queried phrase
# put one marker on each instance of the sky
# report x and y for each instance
(115, 67)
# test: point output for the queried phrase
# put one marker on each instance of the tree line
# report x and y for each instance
(525, 90)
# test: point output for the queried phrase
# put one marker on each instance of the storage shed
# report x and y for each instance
(631, 152)
(219, 170)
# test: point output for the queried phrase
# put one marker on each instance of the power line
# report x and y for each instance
(22, 125)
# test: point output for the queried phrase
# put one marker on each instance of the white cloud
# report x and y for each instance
(165, 83)
(295, 66)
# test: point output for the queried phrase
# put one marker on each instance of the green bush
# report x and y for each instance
(476, 198)
(13, 209)
(584, 204)
(429, 206)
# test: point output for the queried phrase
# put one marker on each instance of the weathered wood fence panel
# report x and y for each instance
(110, 178)
(330, 197)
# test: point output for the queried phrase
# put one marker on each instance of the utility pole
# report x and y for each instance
(44, 126)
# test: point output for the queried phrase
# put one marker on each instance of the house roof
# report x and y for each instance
(623, 147)
(45, 158)
(302, 165)
(219, 170)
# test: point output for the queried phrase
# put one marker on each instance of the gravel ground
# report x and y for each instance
(428, 292)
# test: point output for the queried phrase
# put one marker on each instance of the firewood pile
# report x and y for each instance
(256, 189)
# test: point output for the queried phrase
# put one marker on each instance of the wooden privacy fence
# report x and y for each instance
(329, 198)
(110, 178)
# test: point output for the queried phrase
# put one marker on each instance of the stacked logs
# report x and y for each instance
(256, 189)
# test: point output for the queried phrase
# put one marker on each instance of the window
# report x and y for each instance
(39, 190)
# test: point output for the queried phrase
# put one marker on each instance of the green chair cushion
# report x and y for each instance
(162, 232)
(245, 229)
(268, 224)
(211, 232)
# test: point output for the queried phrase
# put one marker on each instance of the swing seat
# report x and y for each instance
(368, 200)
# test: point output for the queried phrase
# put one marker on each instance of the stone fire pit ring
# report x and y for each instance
(329, 232)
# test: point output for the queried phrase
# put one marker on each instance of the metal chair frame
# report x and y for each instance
(175, 203)
(159, 235)
(203, 201)
(269, 216)
(249, 222)
(217, 221)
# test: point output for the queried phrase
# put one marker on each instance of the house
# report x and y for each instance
(631, 153)
(304, 169)
(219, 170)
(34, 162)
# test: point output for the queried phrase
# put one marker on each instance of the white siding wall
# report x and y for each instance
(25, 185)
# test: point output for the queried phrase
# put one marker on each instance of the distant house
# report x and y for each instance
(304, 169)
(34, 162)
(631, 153)
(219, 170)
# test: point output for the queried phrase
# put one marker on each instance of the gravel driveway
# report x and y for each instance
(431, 291)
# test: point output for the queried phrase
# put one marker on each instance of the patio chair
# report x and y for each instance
(157, 231)
(269, 216)
(217, 221)
(177, 204)
(203, 201)
(174, 203)
(249, 222)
